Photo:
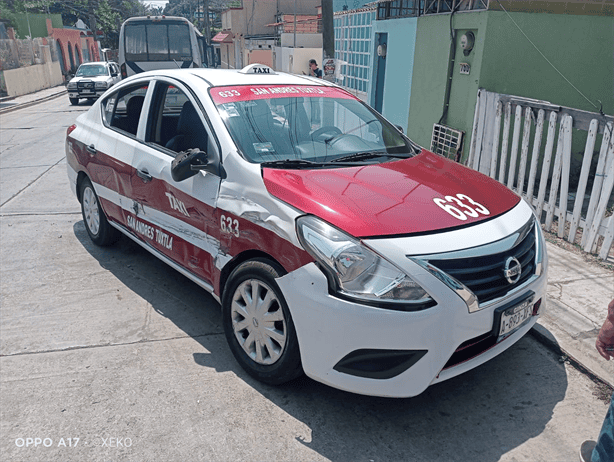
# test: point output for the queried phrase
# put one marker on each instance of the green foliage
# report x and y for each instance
(7, 13)
(108, 20)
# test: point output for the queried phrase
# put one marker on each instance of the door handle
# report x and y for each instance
(91, 149)
(144, 175)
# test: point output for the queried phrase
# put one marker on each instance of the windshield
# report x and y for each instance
(306, 123)
(91, 71)
(158, 42)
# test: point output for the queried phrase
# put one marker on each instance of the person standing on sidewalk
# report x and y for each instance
(314, 71)
(602, 450)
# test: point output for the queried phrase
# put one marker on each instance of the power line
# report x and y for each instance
(544, 56)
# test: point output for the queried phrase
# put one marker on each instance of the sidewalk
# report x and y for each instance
(9, 103)
(579, 288)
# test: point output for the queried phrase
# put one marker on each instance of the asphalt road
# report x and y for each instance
(110, 355)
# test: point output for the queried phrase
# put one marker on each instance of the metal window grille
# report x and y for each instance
(353, 48)
(447, 142)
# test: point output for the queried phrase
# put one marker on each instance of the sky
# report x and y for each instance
(157, 3)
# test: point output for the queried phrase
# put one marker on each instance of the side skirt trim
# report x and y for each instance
(205, 285)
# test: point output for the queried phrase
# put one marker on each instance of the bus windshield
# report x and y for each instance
(157, 42)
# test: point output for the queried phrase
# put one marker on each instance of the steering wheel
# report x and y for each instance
(330, 132)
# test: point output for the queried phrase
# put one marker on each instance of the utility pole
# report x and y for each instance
(294, 23)
(328, 40)
(91, 4)
(207, 33)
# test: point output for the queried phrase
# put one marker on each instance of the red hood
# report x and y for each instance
(390, 198)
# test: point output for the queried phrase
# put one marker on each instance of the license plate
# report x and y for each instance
(87, 91)
(515, 317)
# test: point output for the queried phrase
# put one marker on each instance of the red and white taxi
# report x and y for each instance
(336, 246)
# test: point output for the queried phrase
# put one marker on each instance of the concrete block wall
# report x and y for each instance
(33, 78)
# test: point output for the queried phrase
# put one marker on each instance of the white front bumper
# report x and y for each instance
(95, 94)
(329, 328)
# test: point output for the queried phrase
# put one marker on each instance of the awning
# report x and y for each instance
(225, 37)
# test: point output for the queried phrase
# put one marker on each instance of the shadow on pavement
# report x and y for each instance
(480, 415)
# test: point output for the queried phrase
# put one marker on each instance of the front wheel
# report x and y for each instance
(258, 325)
(96, 223)
(74, 101)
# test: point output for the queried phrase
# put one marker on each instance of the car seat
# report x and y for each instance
(265, 129)
(133, 113)
(190, 131)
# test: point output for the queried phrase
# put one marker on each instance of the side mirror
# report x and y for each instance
(114, 74)
(188, 163)
(399, 128)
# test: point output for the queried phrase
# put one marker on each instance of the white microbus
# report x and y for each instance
(159, 42)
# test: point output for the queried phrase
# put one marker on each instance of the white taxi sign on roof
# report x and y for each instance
(257, 69)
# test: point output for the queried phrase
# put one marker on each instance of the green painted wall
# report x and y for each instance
(429, 77)
(504, 61)
(581, 47)
(37, 24)
(464, 89)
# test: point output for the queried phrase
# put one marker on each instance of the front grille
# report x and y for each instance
(85, 84)
(484, 275)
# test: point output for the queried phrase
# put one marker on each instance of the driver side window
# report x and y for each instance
(176, 124)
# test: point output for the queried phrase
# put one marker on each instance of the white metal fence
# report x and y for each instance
(541, 179)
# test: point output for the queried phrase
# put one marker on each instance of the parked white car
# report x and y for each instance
(336, 246)
(92, 80)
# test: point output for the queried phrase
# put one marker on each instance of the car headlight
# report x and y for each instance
(356, 272)
(72, 85)
(101, 85)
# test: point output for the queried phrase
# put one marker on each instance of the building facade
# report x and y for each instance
(354, 49)
(539, 51)
(263, 31)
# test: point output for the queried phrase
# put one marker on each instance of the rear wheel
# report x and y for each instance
(258, 325)
(96, 224)
(74, 101)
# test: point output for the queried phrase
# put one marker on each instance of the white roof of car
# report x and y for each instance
(229, 77)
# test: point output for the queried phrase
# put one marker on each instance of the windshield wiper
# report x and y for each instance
(291, 163)
(297, 163)
(369, 155)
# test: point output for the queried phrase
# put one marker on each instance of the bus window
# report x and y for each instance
(180, 42)
(147, 44)
(136, 43)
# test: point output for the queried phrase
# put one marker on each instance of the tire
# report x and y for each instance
(100, 231)
(74, 101)
(272, 356)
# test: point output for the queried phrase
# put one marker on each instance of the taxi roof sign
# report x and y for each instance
(257, 69)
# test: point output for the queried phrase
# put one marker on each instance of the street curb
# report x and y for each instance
(32, 103)
(543, 336)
